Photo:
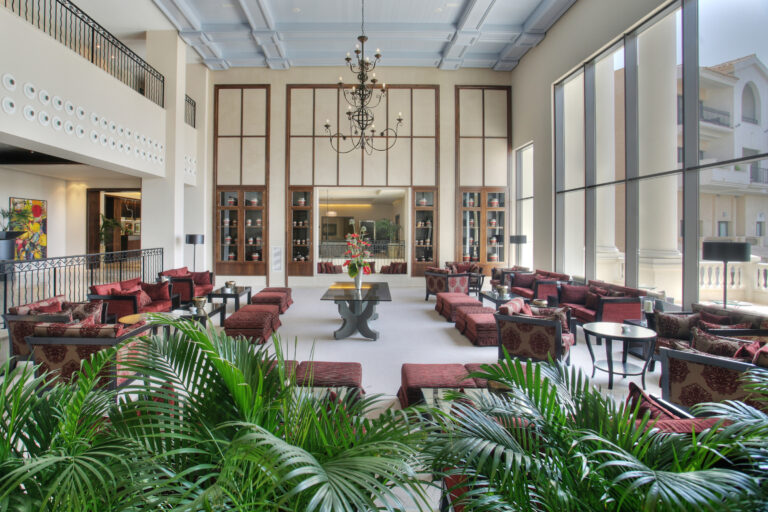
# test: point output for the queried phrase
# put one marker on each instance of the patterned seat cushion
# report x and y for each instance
(417, 376)
(481, 329)
(276, 298)
(35, 307)
(79, 330)
(581, 312)
(477, 367)
(522, 292)
(258, 335)
(330, 374)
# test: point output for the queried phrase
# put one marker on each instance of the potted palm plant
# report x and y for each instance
(7, 237)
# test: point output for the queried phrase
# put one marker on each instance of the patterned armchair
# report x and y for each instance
(442, 281)
(534, 338)
(21, 320)
(689, 378)
(189, 284)
(61, 348)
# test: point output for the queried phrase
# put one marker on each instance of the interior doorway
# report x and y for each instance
(113, 220)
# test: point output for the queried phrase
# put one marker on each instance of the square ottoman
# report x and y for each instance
(463, 311)
(477, 367)
(451, 301)
(418, 376)
(253, 322)
(284, 290)
(279, 299)
(330, 374)
(481, 329)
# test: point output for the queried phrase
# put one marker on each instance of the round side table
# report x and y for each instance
(610, 331)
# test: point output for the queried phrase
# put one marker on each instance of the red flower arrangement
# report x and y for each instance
(357, 252)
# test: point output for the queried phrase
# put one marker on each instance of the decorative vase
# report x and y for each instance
(359, 280)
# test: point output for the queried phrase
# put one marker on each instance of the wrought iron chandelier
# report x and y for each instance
(362, 98)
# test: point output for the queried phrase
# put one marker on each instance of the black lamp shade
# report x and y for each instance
(726, 251)
(518, 239)
(195, 239)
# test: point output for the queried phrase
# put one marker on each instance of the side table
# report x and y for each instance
(231, 293)
(610, 331)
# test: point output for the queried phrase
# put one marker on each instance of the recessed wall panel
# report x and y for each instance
(424, 112)
(229, 111)
(254, 111)
(325, 162)
(400, 102)
(350, 169)
(325, 109)
(496, 162)
(301, 111)
(471, 112)
(375, 169)
(424, 152)
(496, 113)
(471, 162)
(254, 161)
(228, 161)
(400, 163)
(301, 161)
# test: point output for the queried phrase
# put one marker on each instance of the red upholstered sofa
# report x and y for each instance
(61, 348)
(189, 284)
(327, 267)
(133, 296)
(601, 302)
(21, 320)
(530, 286)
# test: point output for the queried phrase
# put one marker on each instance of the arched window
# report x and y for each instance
(749, 104)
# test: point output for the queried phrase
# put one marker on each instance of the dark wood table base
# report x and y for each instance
(355, 316)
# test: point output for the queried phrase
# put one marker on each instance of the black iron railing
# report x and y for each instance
(715, 116)
(72, 276)
(758, 175)
(190, 111)
(68, 24)
(748, 119)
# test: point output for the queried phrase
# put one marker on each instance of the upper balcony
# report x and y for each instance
(73, 28)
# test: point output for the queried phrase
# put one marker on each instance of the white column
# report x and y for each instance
(162, 199)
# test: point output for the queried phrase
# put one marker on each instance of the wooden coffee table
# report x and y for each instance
(225, 294)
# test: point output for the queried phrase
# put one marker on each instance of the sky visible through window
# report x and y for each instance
(731, 29)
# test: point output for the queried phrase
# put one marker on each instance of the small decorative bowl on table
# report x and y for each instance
(229, 286)
(198, 303)
(539, 303)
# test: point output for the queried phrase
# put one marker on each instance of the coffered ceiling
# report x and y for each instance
(279, 34)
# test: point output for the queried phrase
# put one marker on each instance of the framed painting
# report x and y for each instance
(137, 227)
(31, 217)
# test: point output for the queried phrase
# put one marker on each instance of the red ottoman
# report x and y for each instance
(440, 302)
(329, 374)
(481, 330)
(417, 376)
(279, 299)
(451, 301)
(254, 322)
(284, 290)
(463, 311)
(477, 367)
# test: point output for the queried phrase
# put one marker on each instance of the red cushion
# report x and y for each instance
(328, 373)
(134, 293)
(581, 312)
(523, 292)
(202, 290)
(684, 425)
(105, 289)
(130, 284)
(593, 300)
(201, 277)
(647, 404)
(709, 325)
(748, 350)
(144, 299)
(573, 294)
(158, 291)
(523, 280)
(157, 306)
(175, 272)
(51, 308)
(714, 319)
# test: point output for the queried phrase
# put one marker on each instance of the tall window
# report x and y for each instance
(524, 167)
(749, 104)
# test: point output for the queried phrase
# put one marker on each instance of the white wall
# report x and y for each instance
(584, 29)
(33, 57)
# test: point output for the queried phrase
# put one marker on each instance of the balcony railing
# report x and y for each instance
(715, 116)
(68, 24)
(190, 111)
(751, 120)
(72, 276)
(758, 175)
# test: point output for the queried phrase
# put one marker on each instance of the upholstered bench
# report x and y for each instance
(463, 311)
(481, 329)
(418, 376)
(279, 299)
(330, 374)
(278, 289)
(256, 322)
(448, 302)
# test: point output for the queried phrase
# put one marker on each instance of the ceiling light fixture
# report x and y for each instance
(362, 98)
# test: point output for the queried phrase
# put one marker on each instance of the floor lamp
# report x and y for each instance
(517, 240)
(194, 240)
(725, 252)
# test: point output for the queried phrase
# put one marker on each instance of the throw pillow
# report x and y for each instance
(515, 306)
(523, 280)
(748, 350)
(647, 404)
(134, 293)
(144, 298)
(82, 311)
(714, 319)
(761, 357)
(560, 313)
(201, 277)
(573, 294)
(675, 326)
(50, 308)
(599, 291)
(715, 345)
(592, 301)
(130, 284)
(158, 291)
(707, 326)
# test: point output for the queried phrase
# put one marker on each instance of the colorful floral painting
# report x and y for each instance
(31, 217)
